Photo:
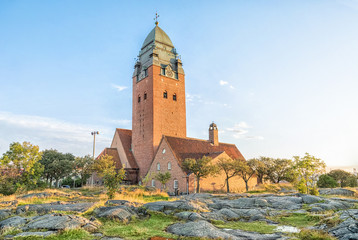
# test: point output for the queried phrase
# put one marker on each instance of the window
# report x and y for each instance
(145, 96)
(153, 183)
(163, 150)
(174, 97)
(169, 166)
(145, 72)
(176, 184)
(163, 71)
(158, 166)
(176, 75)
(138, 98)
(165, 94)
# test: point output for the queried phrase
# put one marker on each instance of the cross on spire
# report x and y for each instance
(156, 18)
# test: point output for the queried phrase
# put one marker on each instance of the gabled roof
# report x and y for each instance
(114, 153)
(197, 148)
(125, 136)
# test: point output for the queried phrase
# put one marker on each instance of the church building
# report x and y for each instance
(158, 140)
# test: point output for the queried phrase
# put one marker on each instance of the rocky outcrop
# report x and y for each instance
(180, 205)
(4, 213)
(60, 222)
(13, 222)
(336, 191)
(206, 230)
(121, 213)
(35, 234)
(55, 206)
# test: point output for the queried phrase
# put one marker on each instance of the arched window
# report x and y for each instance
(165, 94)
(169, 166)
(176, 184)
(174, 96)
(158, 166)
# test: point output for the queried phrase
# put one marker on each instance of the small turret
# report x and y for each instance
(213, 134)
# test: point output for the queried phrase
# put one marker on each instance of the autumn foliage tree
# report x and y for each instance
(112, 177)
(201, 168)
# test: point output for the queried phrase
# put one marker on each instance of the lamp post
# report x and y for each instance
(94, 133)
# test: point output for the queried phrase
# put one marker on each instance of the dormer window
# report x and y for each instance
(174, 97)
(165, 94)
(163, 71)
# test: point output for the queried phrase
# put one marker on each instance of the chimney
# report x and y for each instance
(213, 134)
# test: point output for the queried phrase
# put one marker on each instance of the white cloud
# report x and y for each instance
(240, 130)
(232, 87)
(119, 88)
(222, 82)
(51, 133)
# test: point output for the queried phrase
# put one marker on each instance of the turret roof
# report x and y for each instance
(158, 35)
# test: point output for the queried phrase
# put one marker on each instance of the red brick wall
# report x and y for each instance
(208, 184)
(156, 116)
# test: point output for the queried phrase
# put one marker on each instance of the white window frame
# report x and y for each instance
(169, 166)
(153, 182)
(176, 183)
(158, 166)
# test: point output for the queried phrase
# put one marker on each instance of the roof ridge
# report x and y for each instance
(197, 139)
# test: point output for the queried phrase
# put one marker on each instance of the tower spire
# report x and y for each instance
(156, 18)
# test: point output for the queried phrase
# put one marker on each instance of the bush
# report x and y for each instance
(314, 191)
(301, 186)
(326, 181)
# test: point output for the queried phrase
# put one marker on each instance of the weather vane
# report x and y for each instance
(156, 18)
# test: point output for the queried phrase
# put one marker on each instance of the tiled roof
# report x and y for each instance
(126, 138)
(197, 148)
(114, 153)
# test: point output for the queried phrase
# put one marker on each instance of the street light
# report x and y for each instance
(94, 133)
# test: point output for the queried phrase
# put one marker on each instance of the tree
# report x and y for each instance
(307, 169)
(228, 166)
(278, 170)
(62, 166)
(23, 161)
(326, 181)
(245, 171)
(163, 178)
(342, 177)
(112, 178)
(200, 167)
(260, 166)
(83, 167)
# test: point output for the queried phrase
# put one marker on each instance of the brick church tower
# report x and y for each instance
(158, 97)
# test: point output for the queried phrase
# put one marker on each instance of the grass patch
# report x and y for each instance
(155, 225)
(257, 226)
(314, 235)
(297, 219)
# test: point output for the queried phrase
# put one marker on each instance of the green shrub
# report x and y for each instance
(326, 181)
(314, 191)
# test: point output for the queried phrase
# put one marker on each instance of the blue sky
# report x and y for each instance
(278, 77)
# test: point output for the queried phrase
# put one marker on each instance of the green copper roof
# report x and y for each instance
(157, 34)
